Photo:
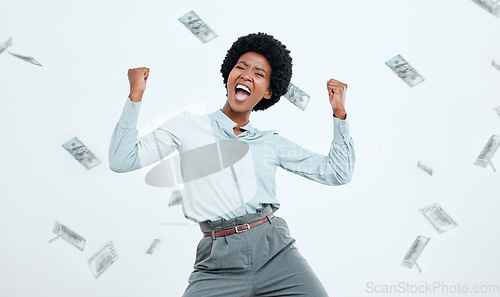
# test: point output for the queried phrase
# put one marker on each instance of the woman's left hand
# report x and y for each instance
(336, 93)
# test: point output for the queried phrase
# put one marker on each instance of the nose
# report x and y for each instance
(244, 75)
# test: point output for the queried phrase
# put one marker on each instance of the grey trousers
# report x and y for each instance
(262, 261)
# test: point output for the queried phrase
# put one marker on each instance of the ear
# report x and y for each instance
(268, 94)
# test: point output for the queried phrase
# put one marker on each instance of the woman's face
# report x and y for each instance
(249, 82)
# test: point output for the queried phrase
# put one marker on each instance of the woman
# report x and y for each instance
(228, 169)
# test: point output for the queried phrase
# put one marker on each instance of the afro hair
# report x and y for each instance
(276, 54)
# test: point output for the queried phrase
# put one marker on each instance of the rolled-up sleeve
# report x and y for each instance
(335, 169)
(128, 152)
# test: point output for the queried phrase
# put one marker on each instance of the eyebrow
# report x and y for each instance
(245, 63)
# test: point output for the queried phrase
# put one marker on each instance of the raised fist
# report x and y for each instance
(137, 78)
(336, 94)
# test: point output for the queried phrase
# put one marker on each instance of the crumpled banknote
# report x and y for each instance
(81, 153)
(103, 259)
(152, 248)
(69, 235)
(488, 152)
(405, 71)
(5, 45)
(176, 198)
(28, 59)
(414, 252)
(497, 110)
(438, 217)
(495, 64)
(197, 26)
(491, 6)
(425, 168)
(297, 97)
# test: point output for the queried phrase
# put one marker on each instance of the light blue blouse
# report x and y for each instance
(226, 175)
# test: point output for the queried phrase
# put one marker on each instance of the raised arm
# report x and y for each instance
(334, 169)
(127, 151)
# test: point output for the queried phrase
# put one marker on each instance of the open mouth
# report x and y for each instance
(241, 92)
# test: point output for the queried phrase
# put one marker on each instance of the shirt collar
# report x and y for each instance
(227, 124)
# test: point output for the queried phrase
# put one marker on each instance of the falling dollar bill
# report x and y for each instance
(197, 26)
(26, 59)
(69, 235)
(491, 6)
(425, 168)
(414, 252)
(497, 110)
(494, 64)
(405, 71)
(298, 97)
(176, 198)
(488, 152)
(103, 259)
(438, 217)
(5, 45)
(152, 247)
(80, 152)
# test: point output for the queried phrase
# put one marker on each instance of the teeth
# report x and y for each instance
(242, 87)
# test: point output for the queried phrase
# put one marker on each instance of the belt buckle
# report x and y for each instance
(241, 226)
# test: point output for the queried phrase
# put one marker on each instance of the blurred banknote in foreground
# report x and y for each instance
(495, 64)
(298, 97)
(497, 110)
(488, 152)
(404, 71)
(103, 259)
(197, 26)
(26, 59)
(425, 168)
(80, 152)
(176, 198)
(414, 252)
(152, 247)
(438, 218)
(5, 45)
(69, 235)
(491, 6)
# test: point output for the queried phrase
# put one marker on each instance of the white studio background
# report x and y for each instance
(351, 235)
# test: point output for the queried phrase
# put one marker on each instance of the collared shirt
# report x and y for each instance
(225, 175)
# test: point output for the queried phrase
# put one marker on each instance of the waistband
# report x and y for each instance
(208, 226)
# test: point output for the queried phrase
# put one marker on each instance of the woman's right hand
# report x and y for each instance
(137, 78)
